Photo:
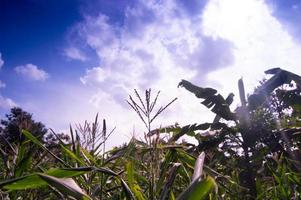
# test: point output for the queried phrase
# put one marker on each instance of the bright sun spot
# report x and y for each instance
(248, 24)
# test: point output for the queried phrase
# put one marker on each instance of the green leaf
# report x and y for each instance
(66, 186)
(24, 159)
(130, 172)
(33, 139)
(106, 171)
(38, 143)
(166, 190)
(198, 189)
(186, 159)
(23, 165)
(88, 156)
(68, 172)
(135, 188)
(129, 194)
(33, 181)
(71, 155)
(21, 183)
(169, 158)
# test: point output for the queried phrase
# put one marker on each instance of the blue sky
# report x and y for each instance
(66, 60)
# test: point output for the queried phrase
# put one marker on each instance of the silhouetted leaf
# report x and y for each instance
(213, 101)
(279, 78)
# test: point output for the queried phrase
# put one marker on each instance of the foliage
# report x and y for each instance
(121, 177)
(248, 144)
(252, 152)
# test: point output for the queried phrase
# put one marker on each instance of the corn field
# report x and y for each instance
(251, 152)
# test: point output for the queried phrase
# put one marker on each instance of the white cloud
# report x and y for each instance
(151, 43)
(261, 42)
(6, 103)
(1, 61)
(157, 45)
(75, 54)
(2, 84)
(94, 75)
(32, 72)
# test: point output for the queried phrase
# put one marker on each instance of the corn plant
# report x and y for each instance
(169, 167)
(249, 135)
(79, 173)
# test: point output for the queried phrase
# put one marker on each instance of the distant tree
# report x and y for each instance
(53, 141)
(16, 120)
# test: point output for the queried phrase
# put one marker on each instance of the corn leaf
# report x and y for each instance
(38, 143)
(166, 191)
(33, 181)
(66, 186)
(71, 155)
(132, 182)
(129, 194)
(198, 167)
(198, 189)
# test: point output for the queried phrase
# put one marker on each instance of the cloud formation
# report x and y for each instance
(1, 61)
(6, 103)
(157, 45)
(261, 41)
(75, 54)
(94, 75)
(32, 72)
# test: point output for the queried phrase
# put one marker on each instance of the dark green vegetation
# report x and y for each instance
(251, 152)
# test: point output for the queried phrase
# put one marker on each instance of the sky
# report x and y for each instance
(64, 61)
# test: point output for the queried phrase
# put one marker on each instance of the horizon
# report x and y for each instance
(66, 61)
